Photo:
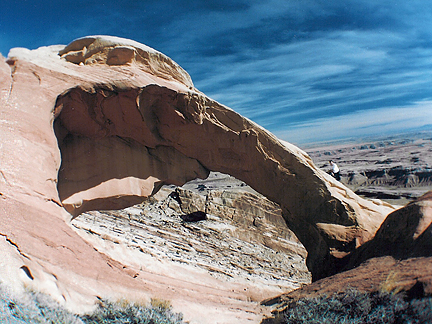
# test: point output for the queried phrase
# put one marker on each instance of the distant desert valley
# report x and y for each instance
(396, 169)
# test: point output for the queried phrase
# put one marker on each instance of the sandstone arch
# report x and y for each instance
(34, 225)
(111, 95)
(130, 141)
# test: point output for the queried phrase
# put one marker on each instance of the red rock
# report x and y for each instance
(398, 259)
(405, 233)
(412, 276)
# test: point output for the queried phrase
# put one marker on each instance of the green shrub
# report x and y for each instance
(354, 307)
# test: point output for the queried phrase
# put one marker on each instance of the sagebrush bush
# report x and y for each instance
(354, 307)
(131, 313)
(37, 308)
(32, 307)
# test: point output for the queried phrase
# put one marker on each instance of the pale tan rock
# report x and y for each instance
(256, 218)
(115, 100)
(118, 51)
(257, 255)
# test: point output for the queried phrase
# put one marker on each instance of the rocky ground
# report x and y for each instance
(242, 240)
(218, 244)
(395, 169)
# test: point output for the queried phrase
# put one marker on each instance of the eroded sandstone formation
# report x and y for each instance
(405, 233)
(243, 235)
(197, 134)
(104, 122)
(397, 260)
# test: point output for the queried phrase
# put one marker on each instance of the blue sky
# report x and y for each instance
(307, 70)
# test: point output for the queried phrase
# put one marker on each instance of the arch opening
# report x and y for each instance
(109, 159)
(119, 146)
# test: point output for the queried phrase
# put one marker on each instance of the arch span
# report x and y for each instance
(119, 145)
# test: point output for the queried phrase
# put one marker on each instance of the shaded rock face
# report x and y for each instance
(398, 259)
(405, 233)
(112, 138)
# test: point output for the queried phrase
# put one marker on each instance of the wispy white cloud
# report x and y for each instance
(382, 121)
(331, 75)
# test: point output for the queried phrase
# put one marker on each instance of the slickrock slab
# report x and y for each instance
(233, 242)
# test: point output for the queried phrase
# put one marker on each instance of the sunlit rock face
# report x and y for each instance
(228, 230)
(104, 122)
(114, 51)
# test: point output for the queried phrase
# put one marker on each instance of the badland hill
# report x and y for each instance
(103, 145)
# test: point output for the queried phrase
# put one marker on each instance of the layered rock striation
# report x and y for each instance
(242, 235)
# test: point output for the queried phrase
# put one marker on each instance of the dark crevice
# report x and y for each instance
(12, 64)
(27, 272)
(14, 245)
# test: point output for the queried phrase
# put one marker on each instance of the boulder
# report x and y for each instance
(397, 260)
(405, 233)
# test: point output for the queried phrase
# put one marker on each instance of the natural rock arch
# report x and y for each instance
(34, 226)
(121, 144)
